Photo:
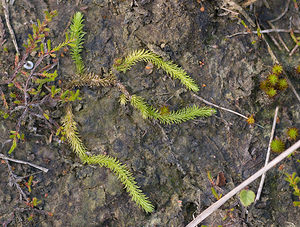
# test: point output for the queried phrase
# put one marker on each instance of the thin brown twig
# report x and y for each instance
(294, 50)
(279, 37)
(13, 181)
(2, 33)
(268, 155)
(248, 3)
(237, 7)
(222, 108)
(2, 156)
(266, 4)
(283, 13)
(10, 29)
(275, 61)
(234, 191)
(264, 31)
(275, 41)
(230, 11)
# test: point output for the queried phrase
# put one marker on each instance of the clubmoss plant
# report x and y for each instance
(70, 129)
(172, 117)
(77, 33)
(31, 91)
(123, 65)
(123, 174)
(170, 68)
(174, 71)
(147, 111)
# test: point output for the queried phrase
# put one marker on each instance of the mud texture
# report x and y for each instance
(169, 162)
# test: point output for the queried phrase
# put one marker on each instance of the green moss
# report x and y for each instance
(277, 145)
(298, 69)
(273, 79)
(271, 92)
(292, 133)
(277, 69)
(282, 84)
(264, 85)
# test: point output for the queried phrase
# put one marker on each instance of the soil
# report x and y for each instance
(169, 162)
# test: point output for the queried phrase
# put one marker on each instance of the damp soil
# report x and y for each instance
(169, 162)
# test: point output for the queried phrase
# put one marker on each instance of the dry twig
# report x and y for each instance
(279, 37)
(283, 13)
(2, 156)
(2, 33)
(233, 192)
(248, 3)
(267, 156)
(275, 61)
(222, 108)
(13, 181)
(263, 32)
(10, 29)
(294, 50)
(237, 7)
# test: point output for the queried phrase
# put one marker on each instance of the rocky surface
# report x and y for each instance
(169, 162)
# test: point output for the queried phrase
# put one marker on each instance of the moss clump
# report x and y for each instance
(282, 84)
(277, 69)
(277, 145)
(292, 133)
(275, 82)
(298, 69)
(271, 92)
(273, 79)
(264, 85)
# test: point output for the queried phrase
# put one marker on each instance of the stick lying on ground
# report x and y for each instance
(222, 108)
(2, 156)
(267, 156)
(234, 191)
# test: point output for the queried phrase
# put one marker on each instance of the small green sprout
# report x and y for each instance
(247, 197)
(294, 180)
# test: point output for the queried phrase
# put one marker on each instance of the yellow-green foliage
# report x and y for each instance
(69, 125)
(292, 133)
(277, 145)
(277, 69)
(172, 117)
(113, 164)
(145, 55)
(273, 79)
(294, 180)
(282, 84)
(124, 176)
(77, 33)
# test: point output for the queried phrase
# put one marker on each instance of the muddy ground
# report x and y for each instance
(169, 162)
